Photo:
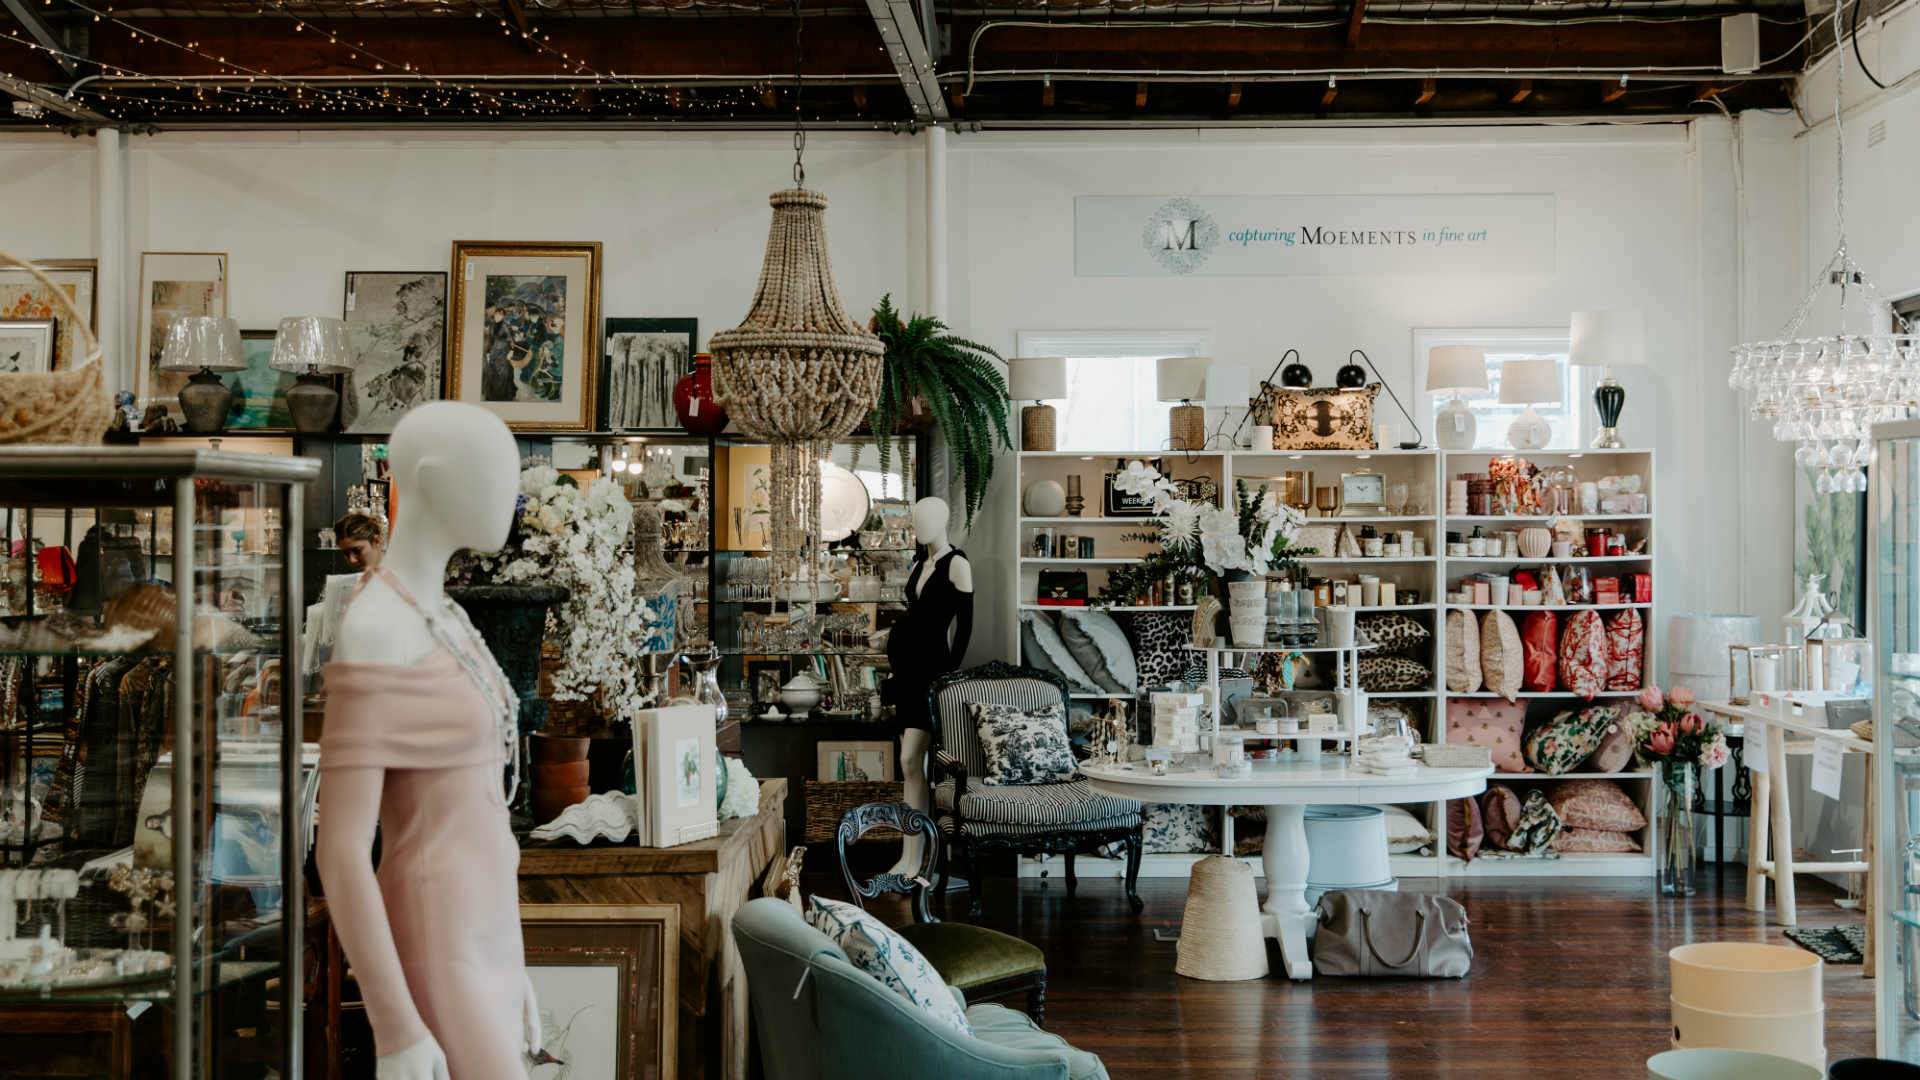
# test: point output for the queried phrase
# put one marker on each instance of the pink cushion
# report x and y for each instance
(1500, 809)
(1585, 658)
(1626, 644)
(1596, 804)
(1464, 829)
(1501, 657)
(1540, 637)
(1595, 842)
(1616, 749)
(1496, 725)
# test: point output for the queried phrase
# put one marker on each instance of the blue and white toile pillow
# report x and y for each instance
(1023, 747)
(875, 949)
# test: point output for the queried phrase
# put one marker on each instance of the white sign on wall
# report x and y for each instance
(1249, 235)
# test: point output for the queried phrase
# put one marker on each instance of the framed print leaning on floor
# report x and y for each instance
(607, 977)
(397, 329)
(523, 332)
(173, 284)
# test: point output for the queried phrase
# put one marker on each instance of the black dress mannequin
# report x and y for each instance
(930, 640)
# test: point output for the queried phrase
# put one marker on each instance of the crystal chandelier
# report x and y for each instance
(1826, 393)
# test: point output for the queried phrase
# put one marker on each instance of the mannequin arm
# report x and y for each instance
(349, 812)
(961, 574)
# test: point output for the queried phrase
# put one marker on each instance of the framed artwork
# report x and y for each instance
(259, 392)
(640, 364)
(862, 760)
(607, 977)
(397, 328)
(521, 338)
(26, 345)
(23, 297)
(745, 498)
(172, 284)
(765, 678)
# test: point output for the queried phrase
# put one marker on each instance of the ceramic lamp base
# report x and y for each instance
(1529, 431)
(1037, 427)
(1189, 427)
(1608, 399)
(314, 403)
(1454, 427)
(204, 402)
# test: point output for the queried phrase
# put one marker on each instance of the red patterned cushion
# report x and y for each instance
(1494, 724)
(1626, 644)
(1540, 636)
(1585, 659)
(1596, 804)
(1595, 842)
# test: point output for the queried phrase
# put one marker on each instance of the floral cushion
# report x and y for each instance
(888, 957)
(1502, 660)
(1626, 644)
(1388, 674)
(1537, 827)
(1175, 829)
(1495, 725)
(1395, 634)
(1595, 842)
(1463, 652)
(1540, 640)
(1585, 659)
(1565, 742)
(1597, 804)
(1023, 747)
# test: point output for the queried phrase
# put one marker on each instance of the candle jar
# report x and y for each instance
(1479, 495)
(1326, 500)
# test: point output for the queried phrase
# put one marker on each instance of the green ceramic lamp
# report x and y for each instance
(1607, 340)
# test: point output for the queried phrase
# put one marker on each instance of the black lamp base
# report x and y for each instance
(1608, 399)
(314, 403)
(204, 402)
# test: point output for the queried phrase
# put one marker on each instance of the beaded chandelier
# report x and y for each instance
(1826, 393)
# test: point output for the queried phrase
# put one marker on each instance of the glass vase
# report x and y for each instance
(1676, 829)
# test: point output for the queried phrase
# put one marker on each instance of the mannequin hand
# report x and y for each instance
(530, 1018)
(421, 1061)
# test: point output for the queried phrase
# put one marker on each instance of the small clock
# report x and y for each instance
(1362, 493)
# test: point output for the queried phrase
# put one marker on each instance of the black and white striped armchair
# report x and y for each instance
(1065, 818)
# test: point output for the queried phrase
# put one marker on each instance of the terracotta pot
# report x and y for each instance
(559, 774)
(549, 802)
(558, 748)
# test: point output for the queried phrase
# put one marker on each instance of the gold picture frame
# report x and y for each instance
(173, 284)
(23, 297)
(523, 331)
(607, 977)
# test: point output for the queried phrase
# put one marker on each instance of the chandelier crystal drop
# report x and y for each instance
(1826, 393)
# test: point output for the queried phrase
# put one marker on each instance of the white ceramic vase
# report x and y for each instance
(1246, 599)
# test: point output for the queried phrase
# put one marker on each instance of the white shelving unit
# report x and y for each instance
(1426, 472)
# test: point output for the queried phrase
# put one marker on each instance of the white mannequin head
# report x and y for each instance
(456, 474)
(930, 517)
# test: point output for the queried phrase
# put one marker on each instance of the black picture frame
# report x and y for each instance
(612, 358)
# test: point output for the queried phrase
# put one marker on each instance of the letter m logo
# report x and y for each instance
(1177, 235)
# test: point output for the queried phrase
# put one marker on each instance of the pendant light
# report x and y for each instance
(1826, 393)
(798, 372)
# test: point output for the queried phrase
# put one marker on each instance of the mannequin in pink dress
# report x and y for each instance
(419, 727)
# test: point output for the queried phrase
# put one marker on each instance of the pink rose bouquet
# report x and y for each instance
(1671, 731)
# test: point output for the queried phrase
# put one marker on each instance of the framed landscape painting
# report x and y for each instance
(173, 284)
(24, 297)
(607, 977)
(523, 335)
(397, 328)
(259, 392)
(640, 364)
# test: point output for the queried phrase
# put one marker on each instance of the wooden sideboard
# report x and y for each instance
(709, 880)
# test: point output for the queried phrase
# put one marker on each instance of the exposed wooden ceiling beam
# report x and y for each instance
(1140, 95)
(1707, 93)
(1046, 93)
(1355, 16)
(1233, 95)
(1428, 88)
(1614, 92)
(517, 15)
(1521, 93)
(1326, 99)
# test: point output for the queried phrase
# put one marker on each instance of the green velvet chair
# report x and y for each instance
(981, 963)
(817, 1017)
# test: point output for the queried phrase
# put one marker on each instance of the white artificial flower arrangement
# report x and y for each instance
(1246, 538)
(578, 540)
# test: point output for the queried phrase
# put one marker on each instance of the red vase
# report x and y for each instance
(693, 399)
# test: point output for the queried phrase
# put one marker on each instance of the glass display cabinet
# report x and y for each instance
(1893, 619)
(157, 792)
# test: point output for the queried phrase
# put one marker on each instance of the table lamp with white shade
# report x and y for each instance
(1532, 381)
(1184, 379)
(1607, 340)
(203, 345)
(1456, 370)
(1038, 379)
(312, 347)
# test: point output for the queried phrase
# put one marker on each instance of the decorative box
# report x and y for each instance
(1606, 590)
(1642, 588)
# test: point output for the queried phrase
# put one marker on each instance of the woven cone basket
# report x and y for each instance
(56, 408)
(1220, 935)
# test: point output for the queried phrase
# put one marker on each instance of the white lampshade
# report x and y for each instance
(1037, 378)
(312, 343)
(1607, 339)
(1533, 381)
(202, 341)
(1456, 369)
(1230, 384)
(1183, 378)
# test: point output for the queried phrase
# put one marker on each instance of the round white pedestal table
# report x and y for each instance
(1285, 789)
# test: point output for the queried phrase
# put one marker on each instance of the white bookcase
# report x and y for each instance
(1426, 472)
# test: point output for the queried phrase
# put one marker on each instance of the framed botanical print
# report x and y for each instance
(522, 335)
(173, 284)
(24, 297)
(607, 977)
(259, 392)
(639, 366)
(26, 345)
(397, 329)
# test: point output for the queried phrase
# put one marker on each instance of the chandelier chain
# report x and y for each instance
(799, 89)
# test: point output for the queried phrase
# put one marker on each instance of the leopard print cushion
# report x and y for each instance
(1395, 634)
(1160, 647)
(1387, 674)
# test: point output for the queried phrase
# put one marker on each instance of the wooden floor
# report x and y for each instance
(1569, 980)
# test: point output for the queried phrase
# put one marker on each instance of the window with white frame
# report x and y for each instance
(1111, 401)
(1569, 417)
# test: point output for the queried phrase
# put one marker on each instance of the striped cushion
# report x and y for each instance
(957, 735)
(1054, 806)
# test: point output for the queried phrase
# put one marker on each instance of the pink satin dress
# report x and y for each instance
(450, 954)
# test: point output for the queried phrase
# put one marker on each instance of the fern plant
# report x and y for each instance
(961, 385)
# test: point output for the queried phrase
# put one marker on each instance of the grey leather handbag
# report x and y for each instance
(1403, 935)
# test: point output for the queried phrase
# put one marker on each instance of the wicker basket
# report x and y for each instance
(829, 800)
(56, 408)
